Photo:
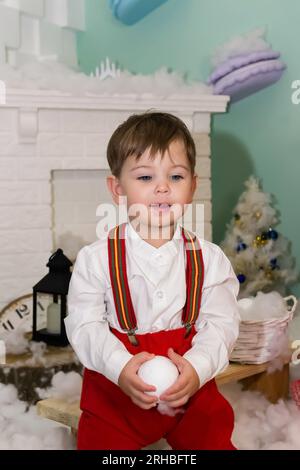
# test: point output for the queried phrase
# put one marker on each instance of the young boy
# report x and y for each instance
(147, 288)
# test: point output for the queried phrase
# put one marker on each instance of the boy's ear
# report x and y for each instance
(194, 183)
(114, 187)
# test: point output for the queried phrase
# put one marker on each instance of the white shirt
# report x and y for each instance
(156, 278)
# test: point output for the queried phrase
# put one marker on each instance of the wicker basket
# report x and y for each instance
(255, 344)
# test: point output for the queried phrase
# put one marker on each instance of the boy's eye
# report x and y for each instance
(148, 178)
(144, 178)
(177, 177)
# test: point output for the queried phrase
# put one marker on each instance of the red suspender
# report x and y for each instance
(118, 276)
(194, 279)
(121, 292)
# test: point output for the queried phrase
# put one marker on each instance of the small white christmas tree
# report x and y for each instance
(258, 253)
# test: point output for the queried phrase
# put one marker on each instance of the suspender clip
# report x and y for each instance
(188, 328)
(132, 337)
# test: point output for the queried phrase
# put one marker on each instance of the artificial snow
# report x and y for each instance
(252, 41)
(16, 342)
(64, 385)
(264, 331)
(259, 425)
(263, 306)
(59, 77)
(23, 429)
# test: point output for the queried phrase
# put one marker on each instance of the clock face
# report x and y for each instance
(19, 312)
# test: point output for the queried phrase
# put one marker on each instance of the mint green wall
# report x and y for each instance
(260, 134)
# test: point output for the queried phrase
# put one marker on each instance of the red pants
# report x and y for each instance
(110, 420)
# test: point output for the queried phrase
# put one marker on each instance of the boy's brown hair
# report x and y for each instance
(154, 130)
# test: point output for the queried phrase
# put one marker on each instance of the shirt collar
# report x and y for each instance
(144, 250)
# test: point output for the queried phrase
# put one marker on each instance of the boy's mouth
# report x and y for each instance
(163, 207)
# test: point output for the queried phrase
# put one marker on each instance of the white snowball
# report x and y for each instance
(160, 372)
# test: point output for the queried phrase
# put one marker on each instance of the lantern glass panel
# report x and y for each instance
(49, 313)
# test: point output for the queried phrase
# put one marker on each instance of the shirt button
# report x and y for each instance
(160, 294)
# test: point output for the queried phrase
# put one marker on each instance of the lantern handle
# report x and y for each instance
(57, 252)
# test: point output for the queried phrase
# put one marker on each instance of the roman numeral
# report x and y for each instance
(40, 305)
(22, 311)
(8, 325)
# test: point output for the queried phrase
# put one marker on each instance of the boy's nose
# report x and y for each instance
(162, 188)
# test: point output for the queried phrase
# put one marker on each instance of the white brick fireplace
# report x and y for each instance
(40, 29)
(52, 159)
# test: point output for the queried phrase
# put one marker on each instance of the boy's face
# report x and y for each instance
(156, 189)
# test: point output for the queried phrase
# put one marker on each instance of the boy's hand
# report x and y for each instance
(185, 386)
(133, 386)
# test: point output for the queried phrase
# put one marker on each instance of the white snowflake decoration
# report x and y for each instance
(107, 70)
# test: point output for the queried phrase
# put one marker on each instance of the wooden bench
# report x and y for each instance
(253, 377)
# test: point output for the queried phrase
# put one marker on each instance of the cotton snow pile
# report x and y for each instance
(262, 307)
(64, 385)
(260, 425)
(16, 342)
(59, 77)
(252, 41)
(22, 429)
(263, 335)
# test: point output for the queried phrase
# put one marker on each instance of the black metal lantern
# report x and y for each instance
(50, 302)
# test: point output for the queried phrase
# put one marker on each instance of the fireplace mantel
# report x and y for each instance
(187, 103)
(194, 110)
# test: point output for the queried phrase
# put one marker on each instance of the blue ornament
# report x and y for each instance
(241, 278)
(272, 234)
(273, 263)
(241, 247)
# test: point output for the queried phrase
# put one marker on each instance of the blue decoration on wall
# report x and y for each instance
(131, 11)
